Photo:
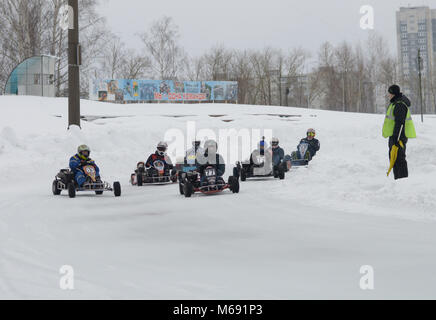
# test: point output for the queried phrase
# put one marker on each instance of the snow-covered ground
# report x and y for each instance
(305, 237)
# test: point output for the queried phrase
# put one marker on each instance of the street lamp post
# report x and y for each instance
(420, 83)
(74, 57)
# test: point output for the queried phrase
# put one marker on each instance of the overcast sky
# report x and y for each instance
(255, 23)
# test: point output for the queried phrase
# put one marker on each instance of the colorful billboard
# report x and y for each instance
(163, 90)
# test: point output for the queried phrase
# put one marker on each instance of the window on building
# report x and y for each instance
(36, 79)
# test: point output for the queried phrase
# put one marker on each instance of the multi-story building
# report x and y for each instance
(416, 32)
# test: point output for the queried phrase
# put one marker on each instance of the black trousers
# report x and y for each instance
(401, 170)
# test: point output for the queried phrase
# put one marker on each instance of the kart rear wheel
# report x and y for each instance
(243, 175)
(56, 190)
(71, 190)
(281, 173)
(117, 189)
(236, 173)
(234, 184)
(139, 179)
(181, 189)
(188, 189)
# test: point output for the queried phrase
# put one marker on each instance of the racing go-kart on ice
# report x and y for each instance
(260, 169)
(192, 182)
(158, 174)
(306, 150)
(264, 162)
(301, 157)
(65, 180)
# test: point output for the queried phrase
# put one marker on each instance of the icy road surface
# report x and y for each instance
(305, 237)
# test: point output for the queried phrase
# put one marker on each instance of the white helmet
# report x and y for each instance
(211, 144)
(275, 142)
(162, 148)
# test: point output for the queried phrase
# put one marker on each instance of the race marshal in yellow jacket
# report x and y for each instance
(399, 128)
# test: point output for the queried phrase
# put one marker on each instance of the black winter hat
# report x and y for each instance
(395, 90)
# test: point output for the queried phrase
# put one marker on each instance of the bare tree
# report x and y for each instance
(329, 78)
(242, 73)
(217, 63)
(162, 44)
(194, 68)
(345, 63)
(135, 66)
(114, 57)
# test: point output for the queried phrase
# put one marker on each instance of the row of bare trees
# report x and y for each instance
(339, 77)
(342, 77)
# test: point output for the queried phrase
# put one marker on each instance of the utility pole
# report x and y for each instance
(420, 83)
(74, 61)
(343, 91)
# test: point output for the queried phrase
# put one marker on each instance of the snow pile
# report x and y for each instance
(306, 236)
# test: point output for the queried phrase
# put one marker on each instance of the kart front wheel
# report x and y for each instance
(56, 190)
(281, 173)
(236, 173)
(139, 179)
(181, 189)
(234, 184)
(243, 175)
(188, 189)
(71, 190)
(99, 193)
(117, 189)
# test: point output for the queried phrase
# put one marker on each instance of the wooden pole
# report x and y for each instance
(73, 64)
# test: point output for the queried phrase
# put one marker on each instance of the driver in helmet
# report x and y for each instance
(210, 158)
(259, 152)
(314, 145)
(278, 154)
(160, 154)
(78, 161)
(191, 154)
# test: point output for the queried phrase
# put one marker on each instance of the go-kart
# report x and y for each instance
(208, 183)
(156, 175)
(65, 180)
(301, 157)
(260, 168)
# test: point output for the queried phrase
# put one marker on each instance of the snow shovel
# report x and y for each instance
(394, 153)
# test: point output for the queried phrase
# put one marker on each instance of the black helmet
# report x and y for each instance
(196, 144)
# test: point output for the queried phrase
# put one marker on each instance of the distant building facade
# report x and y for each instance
(416, 31)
